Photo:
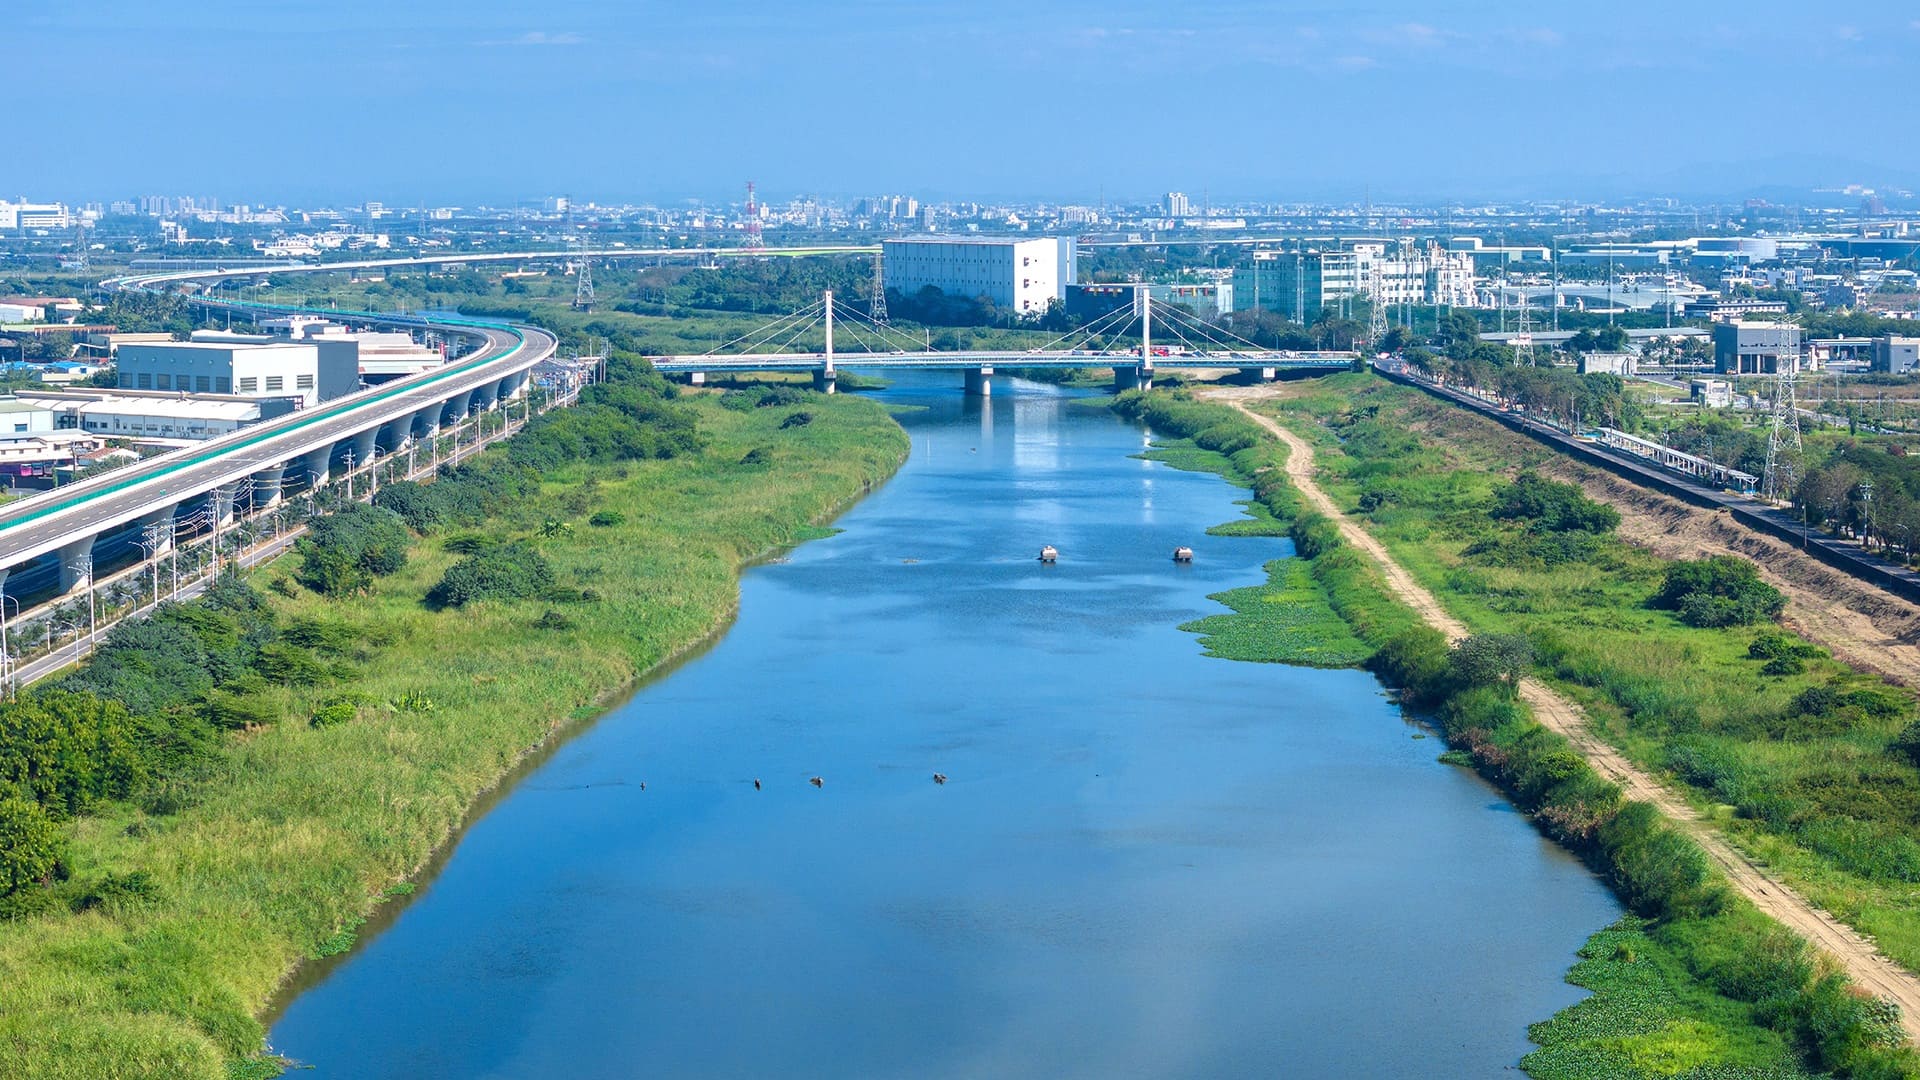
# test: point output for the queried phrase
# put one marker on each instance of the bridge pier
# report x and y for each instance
(696, 378)
(75, 563)
(454, 409)
(823, 381)
(156, 530)
(1132, 378)
(486, 397)
(980, 382)
(266, 487)
(221, 500)
(426, 422)
(361, 445)
(316, 467)
(391, 437)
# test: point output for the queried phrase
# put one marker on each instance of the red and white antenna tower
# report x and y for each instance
(753, 221)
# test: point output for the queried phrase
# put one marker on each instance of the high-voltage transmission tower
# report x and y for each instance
(583, 279)
(877, 303)
(1376, 309)
(753, 239)
(1523, 333)
(1783, 435)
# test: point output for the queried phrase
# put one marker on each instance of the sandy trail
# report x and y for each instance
(1855, 954)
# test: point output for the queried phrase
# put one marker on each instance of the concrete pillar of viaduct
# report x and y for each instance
(980, 382)
(361, 445)
(75, 561)
(316, 467)
(267, 485)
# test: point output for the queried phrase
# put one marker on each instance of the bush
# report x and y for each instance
(1907, 743)
(605, 519)
(290, 665)
(1552, 506)
(799, 419)
(1783, 665)
(1490, 659)
(338, 712)
(414, 503)
(1719, 590)
(30, 844)
(759, 455)
(512, 571)
(344, 551)
(553, 620)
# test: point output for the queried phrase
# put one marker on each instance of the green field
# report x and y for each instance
(291, 834)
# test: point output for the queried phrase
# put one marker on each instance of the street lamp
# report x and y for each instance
(84, 565)
(6, 652)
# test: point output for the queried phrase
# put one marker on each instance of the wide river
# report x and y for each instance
(1144, 863)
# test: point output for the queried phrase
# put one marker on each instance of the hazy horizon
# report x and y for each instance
(309, 102)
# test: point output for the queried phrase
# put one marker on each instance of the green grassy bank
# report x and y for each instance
(1809, 765)
(180, 907)
(1698, 983)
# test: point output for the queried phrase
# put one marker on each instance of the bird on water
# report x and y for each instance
(939, 778)
(756, 783)
(817, 782)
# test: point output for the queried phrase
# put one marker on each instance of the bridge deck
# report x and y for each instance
(972, 360)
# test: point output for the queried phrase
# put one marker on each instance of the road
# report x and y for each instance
(1863, 962)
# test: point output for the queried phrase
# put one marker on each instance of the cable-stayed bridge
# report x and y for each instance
(1135, 340)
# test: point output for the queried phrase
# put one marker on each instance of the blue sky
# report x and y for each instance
(458, 101)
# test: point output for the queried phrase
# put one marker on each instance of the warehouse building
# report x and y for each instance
(1756, 348)
(1896, 355)
(155, 418)
(1022, 276)
(245, 368)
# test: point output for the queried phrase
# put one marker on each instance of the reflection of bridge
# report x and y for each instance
(1122, 339)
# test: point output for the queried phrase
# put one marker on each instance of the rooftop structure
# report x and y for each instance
(153, 416)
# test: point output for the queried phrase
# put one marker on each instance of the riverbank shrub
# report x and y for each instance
(1552, 506)
(345, 550)
(511, 571)
(30, 843)
(1719, 590)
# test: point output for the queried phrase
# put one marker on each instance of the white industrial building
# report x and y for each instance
(26, 215)
(246, 368)
(1896, 355)
(1022, 276)
(153, 418)
(20, 419)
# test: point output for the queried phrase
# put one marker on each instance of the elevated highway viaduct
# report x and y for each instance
(51, 541)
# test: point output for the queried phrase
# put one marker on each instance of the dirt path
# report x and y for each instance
(1855, 954)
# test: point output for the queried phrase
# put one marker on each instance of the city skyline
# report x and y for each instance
(1073, 104)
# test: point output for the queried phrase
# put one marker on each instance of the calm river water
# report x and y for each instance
(1145, 863)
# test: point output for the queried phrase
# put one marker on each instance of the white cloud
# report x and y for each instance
(1542, 35)
(1355, 63)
